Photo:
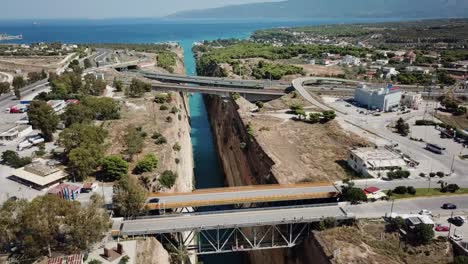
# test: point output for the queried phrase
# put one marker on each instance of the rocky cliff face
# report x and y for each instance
(246, 163)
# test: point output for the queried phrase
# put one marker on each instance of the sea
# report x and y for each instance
(208, 171)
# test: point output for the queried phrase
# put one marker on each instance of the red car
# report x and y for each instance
(441, 228)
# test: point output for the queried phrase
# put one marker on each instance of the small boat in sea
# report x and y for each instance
(10, 37)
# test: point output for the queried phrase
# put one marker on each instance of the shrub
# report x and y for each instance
(160, 98)
(389, 193)
(425, 123)
(452, 188)
(176, 147)
(12, 159)
(440, 174)
(422, 174)
(114, 167)
(163, 108)
(395, 224)
(235, 96)
(411, 190)
(147, 164)
(167, 179)
(174, 110)
(327, 223)
(160, 141)
(432, 174)
(460, 260)
(169, 119)
(124, 260)
(177, 160)
(328, 116)
(259, 104)
(400, 190)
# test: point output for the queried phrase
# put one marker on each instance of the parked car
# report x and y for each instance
(457, 220)
(449, 206)
(456, 237)
(441, 228)
(154, 200)
(425, 212)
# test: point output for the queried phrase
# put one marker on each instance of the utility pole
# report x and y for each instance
(450, 225)
(391, 210)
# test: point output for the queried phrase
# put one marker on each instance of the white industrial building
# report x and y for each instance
(383, 99)
(371, 161)
(350, 60)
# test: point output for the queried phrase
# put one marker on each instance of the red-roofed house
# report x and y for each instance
(374, 193)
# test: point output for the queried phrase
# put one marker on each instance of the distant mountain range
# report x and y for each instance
(301, 9)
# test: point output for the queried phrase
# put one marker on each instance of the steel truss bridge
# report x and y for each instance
(232, 231)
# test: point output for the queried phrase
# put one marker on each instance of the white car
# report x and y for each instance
(456, 237)
(425, 212)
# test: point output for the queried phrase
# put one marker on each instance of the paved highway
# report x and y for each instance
(215, 90)
(252, 217)
(215, 81)
(239, 195)
(229, 219)
(406, 206)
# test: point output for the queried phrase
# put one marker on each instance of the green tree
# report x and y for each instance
(12, 159)
(43, 117)
(83, 161)
(17, 92)
(327, 223)
(167, 179)
(82, 135)
(402, 127)
(424, 234)
(4, 87)
(118, 85)
(104, 108)
(147, 164)
(129, 197)
(137, 88)
(314, 117)
(18, 82)
(328, 115)
(77, 113)
(87, 63)
(352, 194)
(133, 140)
(296, 107)
(395, 224)
(114, 167)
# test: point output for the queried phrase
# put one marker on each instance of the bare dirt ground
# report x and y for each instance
(285, 102)
(28, 64)
(320, 70)
(456, 121)
(151, 251)
(302, 152)
(369, 243)
(143, 112)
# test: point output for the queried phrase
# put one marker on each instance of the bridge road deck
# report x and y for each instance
(242, 195)
(230, 219)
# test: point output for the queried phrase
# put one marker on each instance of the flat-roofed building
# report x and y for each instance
(371, 161)
(383, 99)
(14, 131)
(38, 175)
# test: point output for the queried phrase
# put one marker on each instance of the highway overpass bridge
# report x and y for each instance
(214, 81)
(249, 94)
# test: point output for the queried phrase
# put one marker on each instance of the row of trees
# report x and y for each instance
(314, 118)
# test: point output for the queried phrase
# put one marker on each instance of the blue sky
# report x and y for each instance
(36, 9)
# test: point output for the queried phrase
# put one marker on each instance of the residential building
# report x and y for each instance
(382, 99)
(417, 69)
(410, 56)
(382, 62)
(372, 161)
(350, 60)
(57, 105)
(374, 193)
(388, 72)
(411, 100)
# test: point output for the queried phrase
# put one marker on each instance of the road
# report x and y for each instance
(239, 195)
(413, 148)
(215, 81)
(407, 206)
(251, 217)
(7, 99)
(229, 219)
(215, 90)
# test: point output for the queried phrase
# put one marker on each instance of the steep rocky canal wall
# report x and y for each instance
(246, 163)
